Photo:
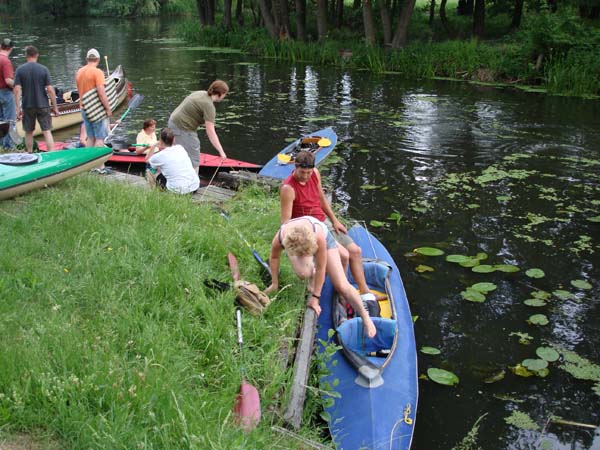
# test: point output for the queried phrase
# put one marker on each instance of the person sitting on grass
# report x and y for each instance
(313, 251)
(146, 142)
(174, 170)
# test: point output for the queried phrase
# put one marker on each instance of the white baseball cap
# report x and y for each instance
(93, 53)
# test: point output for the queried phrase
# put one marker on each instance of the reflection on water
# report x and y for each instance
(431, 148)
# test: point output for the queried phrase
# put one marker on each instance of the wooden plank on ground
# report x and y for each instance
(127, 178)
(293, 413)
(235, 179)
(212, 194)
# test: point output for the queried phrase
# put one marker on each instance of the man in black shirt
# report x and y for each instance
(33, 80)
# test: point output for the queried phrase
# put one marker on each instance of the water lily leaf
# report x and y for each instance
(521, 420)
(377, 223)
(542, 295)
(484, 287)
(538, 319)
(535, 273)
(423, 268)
(320, 118)
(521, 371)
(457, 258)
(369, 187)
(395, 216)
(471, 262)
(483, 268)
(481, 256)
(503, 198)
(535, 364)
(442, 376)
(547, 353)
(562, 294)
(524, 338)
(595, 219)
(473, 296)
(495, 377)
(429, 251)
(535, 302)
(581, 284)
(430, 350)
(506, 268)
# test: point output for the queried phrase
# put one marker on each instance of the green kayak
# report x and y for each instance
(23, 172)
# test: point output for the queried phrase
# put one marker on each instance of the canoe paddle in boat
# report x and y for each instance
(133, 103)
(246, 409)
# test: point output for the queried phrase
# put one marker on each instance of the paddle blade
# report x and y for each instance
(284, 158)
(324, 142)
(135, 101)
(246, 409)
(233, 264)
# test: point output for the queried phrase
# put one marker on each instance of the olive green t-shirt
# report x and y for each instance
(193, 111)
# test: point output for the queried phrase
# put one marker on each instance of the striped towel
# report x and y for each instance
(94, 110)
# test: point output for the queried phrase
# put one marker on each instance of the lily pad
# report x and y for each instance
(547, 353)
(521, 371)
(538, 319)
(495, 377)
(442, 376)
(483, 268)
(562, 294)
(377, 223)
(423, 268)
(535, 364)
(457, 258)
(524, 338)
(535, 273)
(595, 219)
(581, 284)
(484, 287)
(481, 256)
(430, 350)
(471, 262)
(429, 251)
(535, 302)
(506, 268)
(473, 296)
(542, 295)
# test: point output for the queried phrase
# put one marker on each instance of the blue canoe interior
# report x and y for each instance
(374, 381)
(282, 164)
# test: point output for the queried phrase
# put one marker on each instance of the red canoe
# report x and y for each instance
(129, 157)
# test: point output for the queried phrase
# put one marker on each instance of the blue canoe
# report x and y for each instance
(321, 143)
(373, 383)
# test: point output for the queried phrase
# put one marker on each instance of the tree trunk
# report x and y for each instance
(322, 19)
(517, 14)
(301, 20)
(479, 19)
(286, 27)
(444, 19)
(227, 14)
(267, 17)
(356, 4)
(431, 12)
(239, 13)
(201, 4)
(401, 34)
(368, 22)
(339, 14)
(210, 12)
(465, 7)
(552, 5)
(386, 22)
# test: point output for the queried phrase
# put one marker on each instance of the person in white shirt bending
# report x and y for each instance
(174, 170)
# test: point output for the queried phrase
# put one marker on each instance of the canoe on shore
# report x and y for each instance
(23, 172)
(69, 112)
(206, 160)
(371, 386)
(321, 143)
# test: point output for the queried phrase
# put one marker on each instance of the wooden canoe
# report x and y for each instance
(371, 385)
(69, 112)
(23, 172)
(321, 143)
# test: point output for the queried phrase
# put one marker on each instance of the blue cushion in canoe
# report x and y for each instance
(351, 333)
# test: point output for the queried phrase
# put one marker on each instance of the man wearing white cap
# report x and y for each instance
(88, 78)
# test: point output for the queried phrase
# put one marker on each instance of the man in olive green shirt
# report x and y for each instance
(196, 109)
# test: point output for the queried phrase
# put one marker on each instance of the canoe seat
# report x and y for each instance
(351, 335)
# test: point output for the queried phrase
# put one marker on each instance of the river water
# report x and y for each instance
(463, 168)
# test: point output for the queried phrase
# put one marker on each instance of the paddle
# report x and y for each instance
(246, 409)
(257, 257)
(133, 103)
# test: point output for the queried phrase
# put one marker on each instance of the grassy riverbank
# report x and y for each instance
(108, 337)
(554, 53)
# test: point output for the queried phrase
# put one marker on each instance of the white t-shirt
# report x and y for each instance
(176, 166)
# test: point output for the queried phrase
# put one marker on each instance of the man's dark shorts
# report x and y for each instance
(41, 114)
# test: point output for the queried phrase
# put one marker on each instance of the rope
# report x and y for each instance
(406, 419)
(211, 180)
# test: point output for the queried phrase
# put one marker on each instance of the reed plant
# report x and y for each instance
(108, 336)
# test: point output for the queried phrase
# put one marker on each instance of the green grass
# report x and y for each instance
(108, 338)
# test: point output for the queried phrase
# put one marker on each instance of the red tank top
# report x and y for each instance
(306, 201)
